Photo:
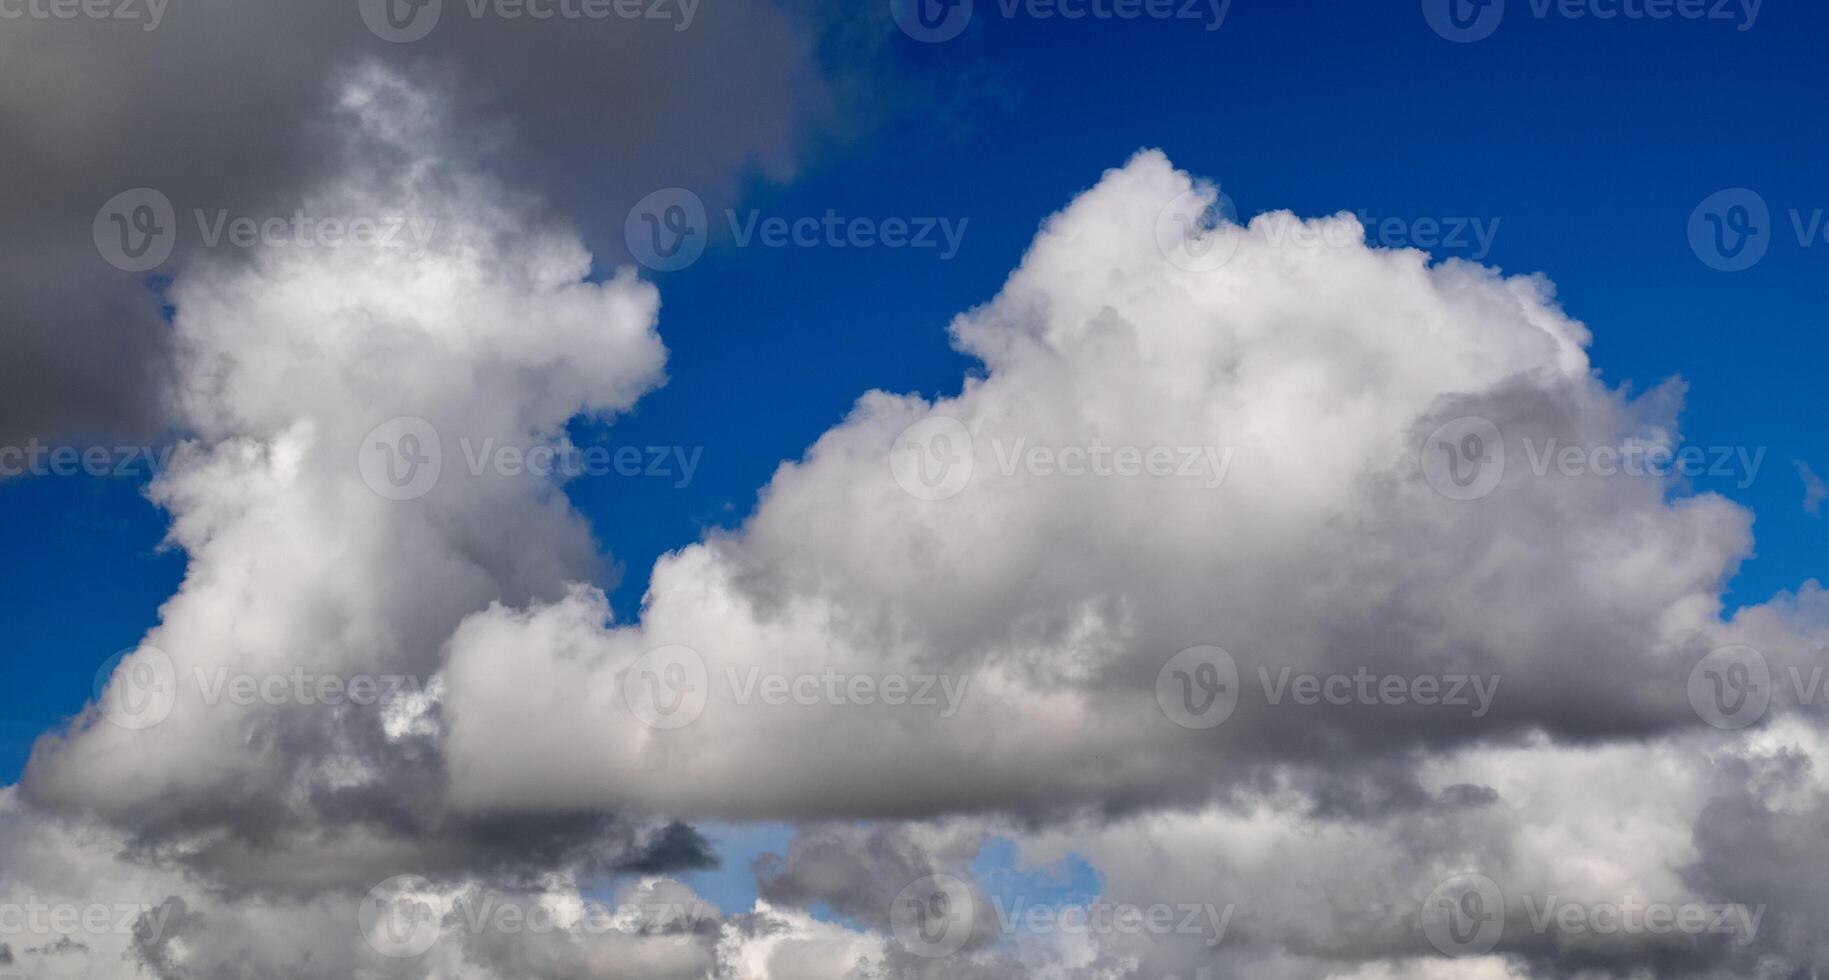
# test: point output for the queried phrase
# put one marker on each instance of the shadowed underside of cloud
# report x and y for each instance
(1039, 612)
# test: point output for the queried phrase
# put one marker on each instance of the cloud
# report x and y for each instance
(299, 566)
(1815, 490)
(1290, 395)
(232, 108)
(1316, 483)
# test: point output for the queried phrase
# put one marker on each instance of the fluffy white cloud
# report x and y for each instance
(1298, 386)
(1165, 451)
(301, 567)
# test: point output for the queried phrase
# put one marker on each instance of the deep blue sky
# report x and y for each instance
(1589, 141)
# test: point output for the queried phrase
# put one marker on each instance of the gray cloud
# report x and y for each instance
(231, 107)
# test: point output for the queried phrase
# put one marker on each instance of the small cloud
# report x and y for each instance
(64, 945)
(1815, 490)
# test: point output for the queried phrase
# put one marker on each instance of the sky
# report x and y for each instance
(1556, 141)
(1583, 145)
